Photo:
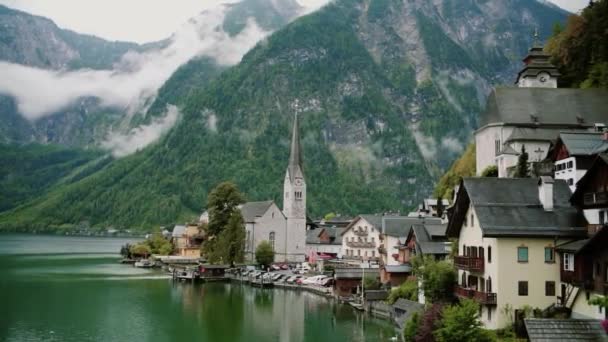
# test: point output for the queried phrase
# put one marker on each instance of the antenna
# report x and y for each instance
(536, 37)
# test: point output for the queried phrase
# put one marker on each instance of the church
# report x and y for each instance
(286, 229)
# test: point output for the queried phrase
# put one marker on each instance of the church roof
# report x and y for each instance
(251, 210)
(538, 107)
(295, 156)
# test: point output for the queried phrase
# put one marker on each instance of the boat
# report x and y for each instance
(144, 263)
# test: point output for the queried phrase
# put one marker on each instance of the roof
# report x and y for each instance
(589, 178)
(584, 143)
(573, 246)
(408, 305)
(433, 201)
(335, 235)
(251, 210)
(540, 330)
(295, 155)
(356, 273)
(398, 268)
(376, 295)
(441, 248)
(399, 226)
(565, 107)
(597, 242)
(312, 237)
(178, 231)
(374, 220)
(511, 207)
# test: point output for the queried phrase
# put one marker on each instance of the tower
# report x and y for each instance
(294, 199)
(538, 72)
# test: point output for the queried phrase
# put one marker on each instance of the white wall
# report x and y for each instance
(372, 235)
(272, 221)
(389, 244)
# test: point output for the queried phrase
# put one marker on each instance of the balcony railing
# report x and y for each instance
(360, 244)
(359, 257)
(468, 263)
(595, 198)
(486, 298)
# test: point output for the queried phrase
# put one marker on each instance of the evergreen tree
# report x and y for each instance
(440, 207)
(523, 167)
(232, 240)
(225, 232)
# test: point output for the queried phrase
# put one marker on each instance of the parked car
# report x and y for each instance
(300, 279)
(275, 267)
(284, 267)
(312, 280)
(327, 282)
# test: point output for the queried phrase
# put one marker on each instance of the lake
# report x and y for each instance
(56, 288)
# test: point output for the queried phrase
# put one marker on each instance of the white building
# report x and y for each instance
(507, 231)
(325, 242)
(532, 115)
(264, 221)
(361, 238)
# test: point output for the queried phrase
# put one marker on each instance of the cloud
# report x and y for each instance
(136, 78)
(312, 5)
(427, 145)
(123, 144)
(452, 144)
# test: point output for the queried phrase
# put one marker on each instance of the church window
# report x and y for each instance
(271, 239)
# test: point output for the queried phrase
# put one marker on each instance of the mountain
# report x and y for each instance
(101, 88)
(388, 93)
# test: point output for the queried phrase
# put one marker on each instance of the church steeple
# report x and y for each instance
(295, 168)
(538, 71)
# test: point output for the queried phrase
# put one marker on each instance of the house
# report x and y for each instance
(430, 207)
(425, 239)
(574, 153)
(591, 193)
(584, 273)
(264, 221)
(507, 230)
(325, 242)
(394, 233)
(403, 310)
(187, 240)
(348, 280)
(546, 330)
(532, 115)
(361, 238)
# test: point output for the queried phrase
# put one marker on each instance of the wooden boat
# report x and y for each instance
(144, 263)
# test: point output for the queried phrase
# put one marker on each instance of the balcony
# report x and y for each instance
(484, 298)
(381, 250)
(359, 257)
(595, 198)
(360, 244)
(467, 263)
(360, 232)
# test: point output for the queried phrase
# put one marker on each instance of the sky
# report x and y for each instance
(139, 21)
(144, 21)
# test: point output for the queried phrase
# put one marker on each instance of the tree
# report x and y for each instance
(411, 328)
(232, 240)
(264, 254)
(440, 207)
(523, 167)
(429, 323)
(329, 216)
(438, 278)
(141, 249)
(159, 244)
(460, 323)
(490, 171)
(222, 204)
(371, 283)
(408, 290)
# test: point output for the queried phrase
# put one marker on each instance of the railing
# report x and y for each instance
(595, 198)
(487, 298)
(359, 257)
(468, 263)
(360, 232)
(360, 244)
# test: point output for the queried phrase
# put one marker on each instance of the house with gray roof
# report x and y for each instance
(532, 115)
(325, 242)
(507, 231)
(564, 330)
(361, 239)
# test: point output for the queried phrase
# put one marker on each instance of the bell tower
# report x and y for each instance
(538, 71)
(294, 199)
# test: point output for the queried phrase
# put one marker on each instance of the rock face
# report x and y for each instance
(388, 93)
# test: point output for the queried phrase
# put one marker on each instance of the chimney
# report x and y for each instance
(545, 192)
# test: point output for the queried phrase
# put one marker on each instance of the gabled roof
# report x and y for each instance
(564, 107)
(251, 210)
(566, 330)
(584, 143)
(356, 273)
(434, 248)
(178, 231)
(399, 226)
(312, 237)
(511, 207)
(374, 220)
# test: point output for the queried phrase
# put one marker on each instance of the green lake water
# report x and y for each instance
(73, 289)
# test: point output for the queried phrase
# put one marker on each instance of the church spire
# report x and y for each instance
(295, 157)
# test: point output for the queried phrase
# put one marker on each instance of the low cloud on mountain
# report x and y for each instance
(135, 78)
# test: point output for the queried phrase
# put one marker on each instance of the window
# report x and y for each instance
(489, 254)
(496, 147)
(271, 239)
(358, 252)
(472, 220)
(549, 255)
(549, 288)
(603, 217)
(570, 164)
(481, 252)
(489, 285)
(464, 250)
(463, 280)
(522, 288)
(522, 254)
(373, 254)
(568, 262)
(489, 313)
(570, 181)
(298, 195)
(373, 239)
